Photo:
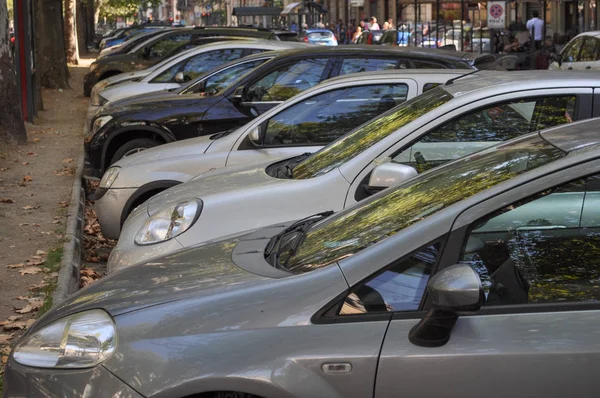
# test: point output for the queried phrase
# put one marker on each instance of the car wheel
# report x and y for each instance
(133, 147)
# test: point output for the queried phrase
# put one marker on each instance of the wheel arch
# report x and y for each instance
(144, 193)
(209, 388)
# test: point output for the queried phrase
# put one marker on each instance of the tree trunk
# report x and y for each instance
(90, 13)
(37, 54)
(80, 23)
(97, 6)
(70, 33)
(53, 60)
(12, 128)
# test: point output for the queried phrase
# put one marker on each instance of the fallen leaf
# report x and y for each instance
(25, 163)
(3, 168)
(6, 200)
(56, 222)
(23, 224)
(38, 262)
(31, 154)
(36, 140)
(29, 207)
(40, 252)
(19, 265)
(30, 271)
(4, 359)
(46, 232)
(38, 286)
(63, 204)
(92, 259)
(16, 325)
(27, 178)
(5, 338)
(25, 310)
(35, 224)
(68, 160)
(37, 257)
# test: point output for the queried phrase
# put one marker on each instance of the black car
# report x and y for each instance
(131, 125)
(154, 47)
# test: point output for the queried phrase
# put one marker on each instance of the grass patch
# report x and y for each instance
(52, 263)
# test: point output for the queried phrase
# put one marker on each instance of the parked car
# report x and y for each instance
(370, 37)
(123, 48)
(581, 53)
(302, 124)
(155, 49)
(187, 66)
(127, 35)
(374, 301)
(323, 37)
(120, 129)
(443, 124)
(394, 37)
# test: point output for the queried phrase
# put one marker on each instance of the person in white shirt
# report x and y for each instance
(374, 25)
(536, 29)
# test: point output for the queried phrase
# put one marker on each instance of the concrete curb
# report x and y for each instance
(68, 276)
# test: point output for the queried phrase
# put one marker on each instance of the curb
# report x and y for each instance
(68, 276)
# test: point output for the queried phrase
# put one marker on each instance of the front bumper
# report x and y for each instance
(91, 112)
(22, 381)
(109, 208)
(88, 82)
(126, 253)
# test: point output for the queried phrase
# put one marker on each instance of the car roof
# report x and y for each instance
(241, 43)
(413, 73)
(594, 33)
(525, 80)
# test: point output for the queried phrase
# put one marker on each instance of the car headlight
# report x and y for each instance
(109, 177)
(78, 341)
(169, 222)
(100, 122)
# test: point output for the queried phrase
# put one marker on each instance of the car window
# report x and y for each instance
(428, 65)
(327, 116)
(355, 65)
(256, 51)
(287, 80)
(545, 249)
(590, 51)
(429, 86)
(222, 79)
(197, 65)
(166, 45)
(351, 230)
(398, 288)
(482, 128)
(571, 50)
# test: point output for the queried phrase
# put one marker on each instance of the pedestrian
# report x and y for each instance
(342, 39)
(536, 29)
(357, 34)
(362, 25)
(391, 23)
(386, 25)
(373, 25)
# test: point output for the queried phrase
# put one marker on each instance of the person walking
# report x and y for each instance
(356, 34)
(536, 30)
(391, 23)
(373, 25)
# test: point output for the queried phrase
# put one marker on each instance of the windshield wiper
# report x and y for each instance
(287, 169)
(273, 249)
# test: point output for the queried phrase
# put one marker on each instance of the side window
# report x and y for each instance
(429, 86)
(288, 80)
(166, 45)
(327, 116)
(484, 127)
(544, 249)
(205, 62)
(256, 51)
(428, 65)
(398, 288)
(355, 65)
(571, 51)
(221, 80)
(590, 50)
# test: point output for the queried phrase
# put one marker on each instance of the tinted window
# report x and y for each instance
(398, 288)
(590, 51)
(166, 45)
(222, 79)
(288, 80)
(541, 250)
(197, 65)
(354, 143)
(350, 231)
(327, 116)
(481, 128)
(355, 65)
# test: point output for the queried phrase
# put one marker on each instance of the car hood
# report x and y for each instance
(177, 149)
(123, 77)
(197, 271)
(146, 102)
(228, 180)
(129, 88)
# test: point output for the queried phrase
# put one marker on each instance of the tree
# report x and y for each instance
(50, 42)
(71, 50)
(12, 128)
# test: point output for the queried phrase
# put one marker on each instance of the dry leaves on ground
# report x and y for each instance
(30, 207)
(5, 338)
(15, 323)
(88, 276)
(6, 200)
(30, 271)
(27, 178)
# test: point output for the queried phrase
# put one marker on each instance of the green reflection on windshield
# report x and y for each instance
(350, 145)
(383, 215)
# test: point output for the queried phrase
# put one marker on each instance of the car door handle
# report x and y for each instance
(336, 368)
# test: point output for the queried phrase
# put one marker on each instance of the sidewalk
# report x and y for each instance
(35, 189)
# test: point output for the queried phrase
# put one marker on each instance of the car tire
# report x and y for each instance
(133, 146)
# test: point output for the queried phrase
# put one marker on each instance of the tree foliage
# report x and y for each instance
(124, 8)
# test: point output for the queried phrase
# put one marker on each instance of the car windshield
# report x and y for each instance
(365, 136)
(387, 213)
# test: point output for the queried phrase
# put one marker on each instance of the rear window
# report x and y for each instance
(320, 35)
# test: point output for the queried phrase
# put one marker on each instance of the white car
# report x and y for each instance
(302, 124)
(581, 53)
(184, 67)
(443, 124)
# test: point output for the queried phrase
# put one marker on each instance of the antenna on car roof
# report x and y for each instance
(449, 82)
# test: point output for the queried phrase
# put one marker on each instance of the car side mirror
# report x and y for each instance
(238, 95)
(179, 77)
(454, 290)
(390, 174)
(255, 136)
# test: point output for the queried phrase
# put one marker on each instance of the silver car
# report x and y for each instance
(415, 292)
(443, 124)
(302, 124)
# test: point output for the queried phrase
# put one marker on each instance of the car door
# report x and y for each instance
(589, 57)
(537, 333)
(477, 126)
(282, 83)
(315, 121)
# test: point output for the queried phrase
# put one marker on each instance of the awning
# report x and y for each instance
(255, 11)
(290, 7)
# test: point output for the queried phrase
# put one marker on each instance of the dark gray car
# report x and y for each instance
(337, 306)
